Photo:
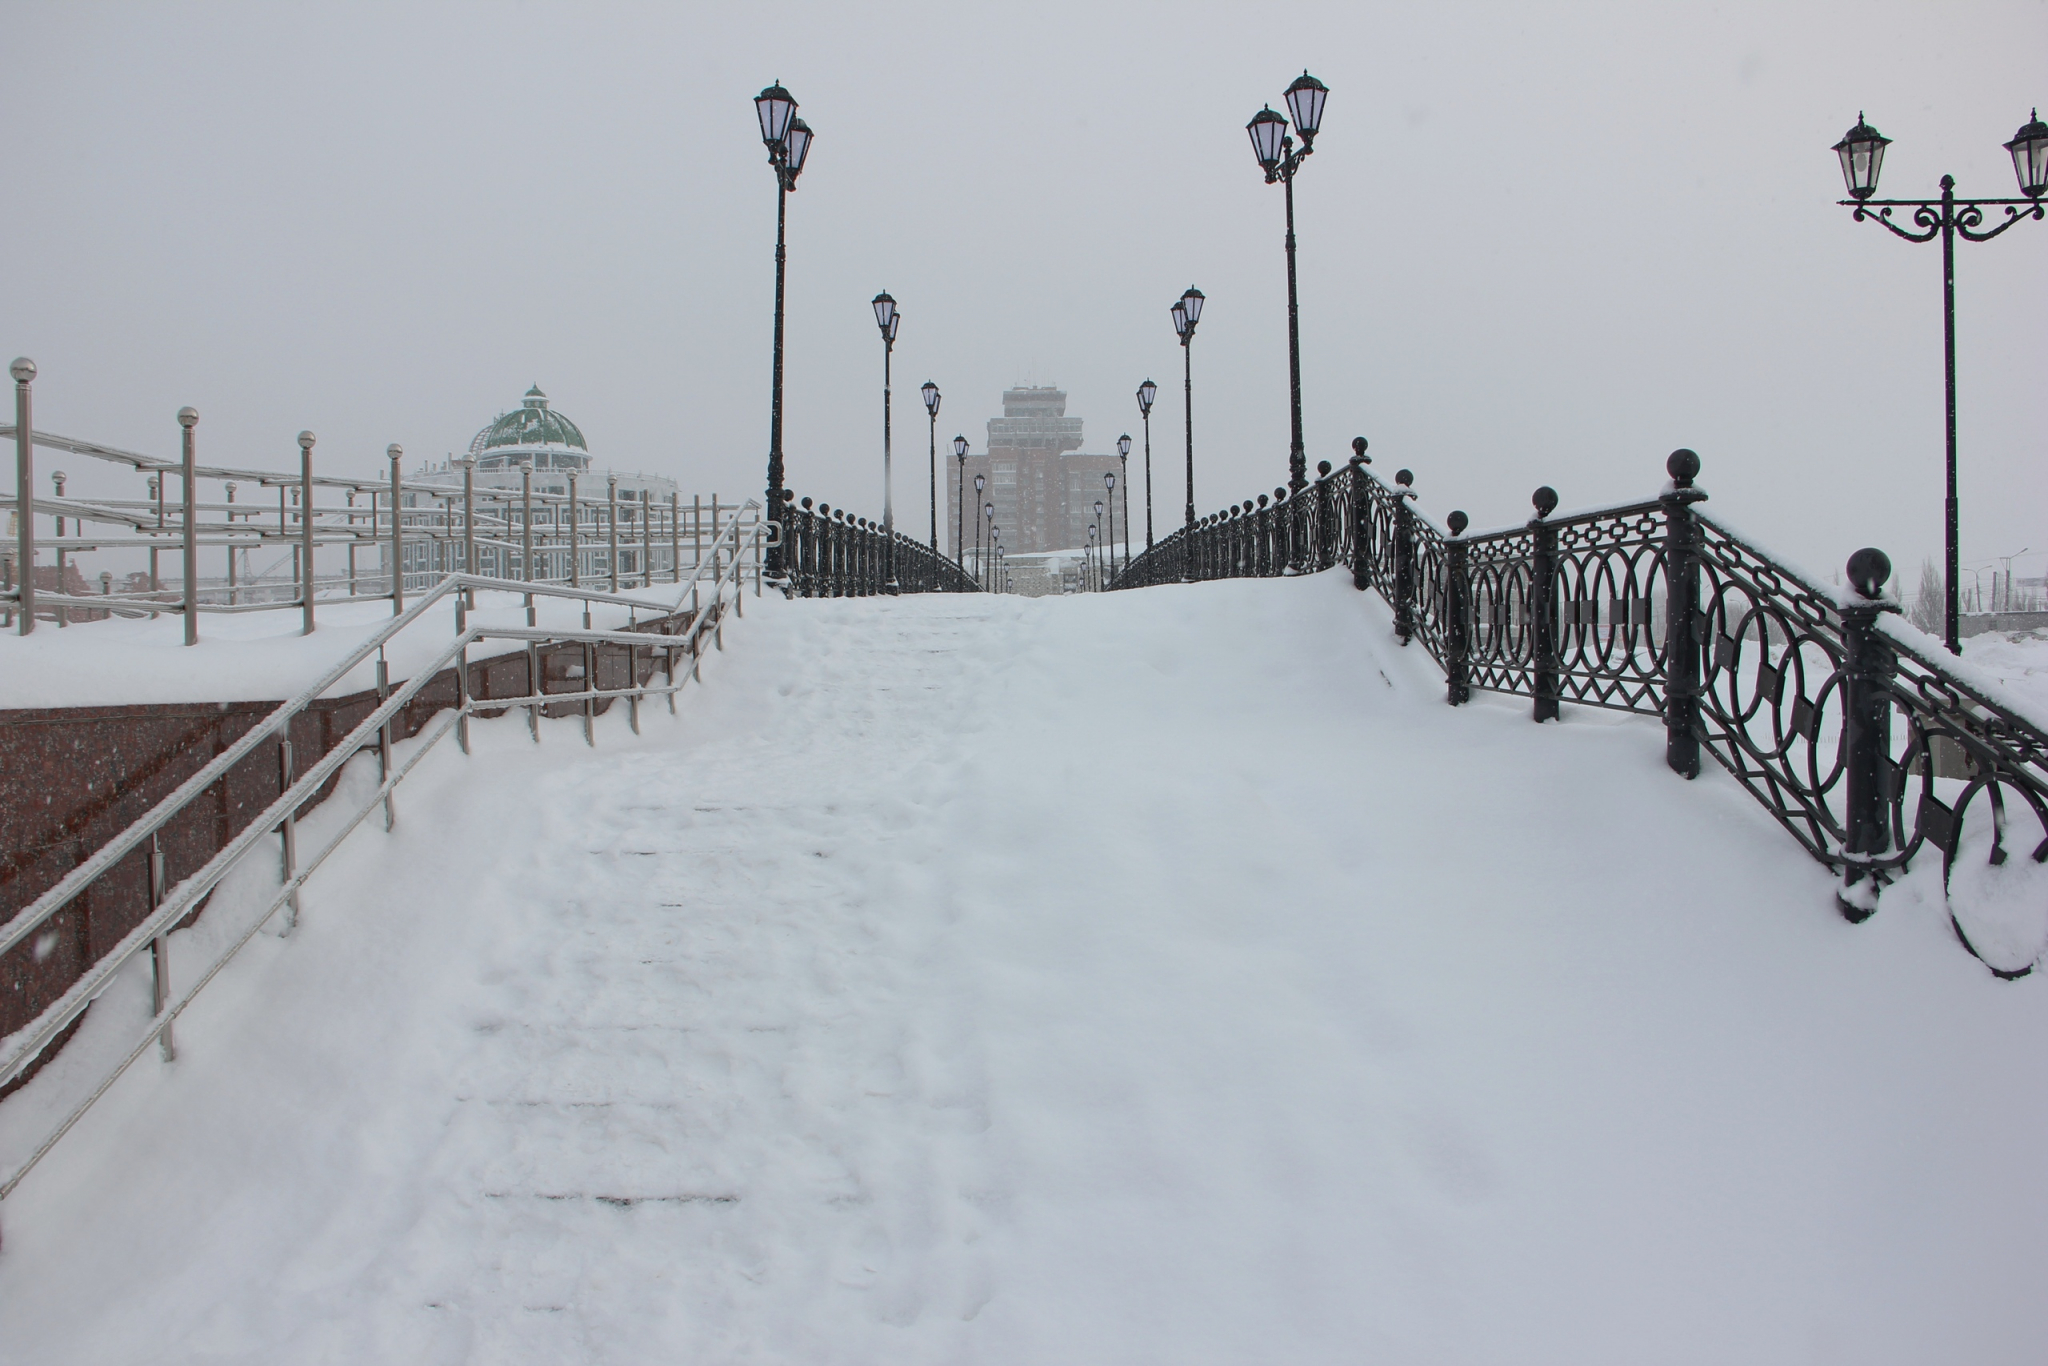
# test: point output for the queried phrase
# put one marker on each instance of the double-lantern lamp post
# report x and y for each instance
(960, 501)
(1862, 152)
(1148, 393)
(1123, 460)
(789, 141)
(887, 316)
(1279, 159)
(988, 515)
(979, 481)
(1187, 311)
(931, 405)
(1109, 484)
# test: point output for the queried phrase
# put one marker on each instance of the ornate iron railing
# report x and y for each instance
(1653, 607)
(829, 553)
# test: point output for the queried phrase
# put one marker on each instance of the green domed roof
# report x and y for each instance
(532, 424)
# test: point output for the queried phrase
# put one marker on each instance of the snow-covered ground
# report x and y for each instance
(2019, 660)
(260, 656)
(1154, 977)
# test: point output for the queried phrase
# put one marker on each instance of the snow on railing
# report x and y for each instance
(1655, 608)
(696, 613)
(324, 546)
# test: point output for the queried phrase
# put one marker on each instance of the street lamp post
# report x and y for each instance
(1278, 158)
(1095, 550)
(960, 503)
(931, 405)
(979, 480)
(988, 515)
(1862, 152)
(887, 316)
(1148, 393)
(1123, 460)
(789, 141)
(1109, 483)
(1187, 311)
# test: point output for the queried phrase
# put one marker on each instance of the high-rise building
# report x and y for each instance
(1043, 486)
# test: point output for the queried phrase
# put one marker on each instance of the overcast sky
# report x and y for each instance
(1538, 243)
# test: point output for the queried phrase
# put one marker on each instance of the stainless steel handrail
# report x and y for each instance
(26, 1044)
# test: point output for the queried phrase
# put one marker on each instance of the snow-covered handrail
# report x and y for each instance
(723, 574)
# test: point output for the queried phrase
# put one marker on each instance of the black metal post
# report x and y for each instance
(1950, 508)
(1404, 556)
(1682, 618)
(1123, 481)
(1868, 665)
(775, 490)
(1188, 407)
(1324, 543)
(888, 565)
(1543, 604)
(934, 458)
(1361, 517)
(1457, 613)
(1148, 478)
(1297, 455)
(960, 518)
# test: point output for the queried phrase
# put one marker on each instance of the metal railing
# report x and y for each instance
(674, 654)
(317, 532)
(1655, 608)
(831, 554)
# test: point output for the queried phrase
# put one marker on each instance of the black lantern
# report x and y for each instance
(1192, 303)
(960, 448)
(799, 148)
(1123, 446)
(1862, 152)
(885, 315)
(1267, 129)
(1148, 394)
(1180, 319)
(931, 397)
(2029, 148)
(775, 108)
(1305, 101)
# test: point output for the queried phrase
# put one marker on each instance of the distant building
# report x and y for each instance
(535, 436)
(1043, 486)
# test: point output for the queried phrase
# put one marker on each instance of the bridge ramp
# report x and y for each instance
(1153, 977)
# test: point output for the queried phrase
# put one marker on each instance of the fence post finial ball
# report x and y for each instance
(23, 369)
(306, 440)
(1358, 449)
(1545, 500)
(1323, 468)
(1868, 570)
(1404, 478)
(1458, 521)
(395, 451)
(1682, 466)
(188, 417)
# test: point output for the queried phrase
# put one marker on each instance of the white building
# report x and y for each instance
(534, 437)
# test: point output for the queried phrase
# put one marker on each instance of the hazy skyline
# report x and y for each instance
(1537, 244)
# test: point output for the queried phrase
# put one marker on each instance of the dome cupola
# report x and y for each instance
(535, 432)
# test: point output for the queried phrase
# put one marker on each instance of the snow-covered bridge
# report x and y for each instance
(1147, 977)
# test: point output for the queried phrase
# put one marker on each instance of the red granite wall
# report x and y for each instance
(72, 778)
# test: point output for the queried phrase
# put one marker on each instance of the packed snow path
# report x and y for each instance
(1164, 977)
